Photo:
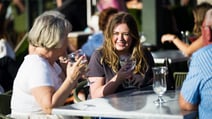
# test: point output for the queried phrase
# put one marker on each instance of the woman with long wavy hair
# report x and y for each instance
(121, 43)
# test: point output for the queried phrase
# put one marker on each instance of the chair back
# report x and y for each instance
(5, 99)
(179, 77)
(79, 94)
(81, 86)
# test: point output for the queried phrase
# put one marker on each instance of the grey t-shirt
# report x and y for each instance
(96, 69)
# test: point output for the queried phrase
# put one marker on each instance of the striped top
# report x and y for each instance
(197, 88)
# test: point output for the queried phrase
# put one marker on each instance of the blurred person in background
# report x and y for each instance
(40, 83)
(199, 14)
(196, 90)
(16, 20)
(100, 6)
(103, 4)
(8, 65)
(96, 40)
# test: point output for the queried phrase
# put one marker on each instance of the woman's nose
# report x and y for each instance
(120, 36)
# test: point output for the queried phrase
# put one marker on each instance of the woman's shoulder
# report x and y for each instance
(96, 56)
(35, 61)
(98, 52)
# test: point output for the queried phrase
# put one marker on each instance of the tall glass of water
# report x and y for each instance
(159, 82)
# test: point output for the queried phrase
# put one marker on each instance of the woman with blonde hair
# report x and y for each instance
(40, 83)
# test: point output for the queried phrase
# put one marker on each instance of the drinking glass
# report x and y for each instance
(159, 83)
(77, 54)
(74, 56)
(130, 65)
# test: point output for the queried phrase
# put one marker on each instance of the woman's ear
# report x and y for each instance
(208, 36)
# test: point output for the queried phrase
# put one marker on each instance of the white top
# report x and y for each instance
(35, 71)
(6, 49)
(132, 104)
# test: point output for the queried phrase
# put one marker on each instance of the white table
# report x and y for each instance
(173, 56)
(130, 104)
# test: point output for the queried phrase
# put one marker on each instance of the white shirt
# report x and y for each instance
(35, 71)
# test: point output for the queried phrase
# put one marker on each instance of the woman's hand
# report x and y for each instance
(75, 70)
(168, 37)
(124, 73)
(138, 80)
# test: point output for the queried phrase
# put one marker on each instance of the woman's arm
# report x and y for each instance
(48, 98)
(185, 48)
(59, 3)
(100, 89)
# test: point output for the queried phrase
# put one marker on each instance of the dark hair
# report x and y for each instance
(104, 17)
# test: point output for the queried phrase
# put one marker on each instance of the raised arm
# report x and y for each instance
(185, 48)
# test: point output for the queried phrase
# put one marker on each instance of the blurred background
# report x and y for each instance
(154, 17)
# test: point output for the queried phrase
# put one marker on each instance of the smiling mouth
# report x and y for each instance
(121, 43)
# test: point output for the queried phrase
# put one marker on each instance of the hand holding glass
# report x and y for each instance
(77, 54)
(159, 82)
(130, 65)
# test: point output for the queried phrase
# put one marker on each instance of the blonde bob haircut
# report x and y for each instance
(49, 30)
(109, 52)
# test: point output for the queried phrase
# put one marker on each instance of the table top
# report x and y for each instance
(130, 104)
(172, 55)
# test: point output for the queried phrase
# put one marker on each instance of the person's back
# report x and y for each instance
(96, 40)
(196, 90)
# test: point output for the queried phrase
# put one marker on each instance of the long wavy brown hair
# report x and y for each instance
(109, 53)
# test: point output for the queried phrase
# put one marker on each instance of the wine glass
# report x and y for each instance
(130, 65)
(159, 83)
(74, 56)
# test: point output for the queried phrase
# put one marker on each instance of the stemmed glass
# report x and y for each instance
(130, 65)
(159, 83)
(74, 56)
